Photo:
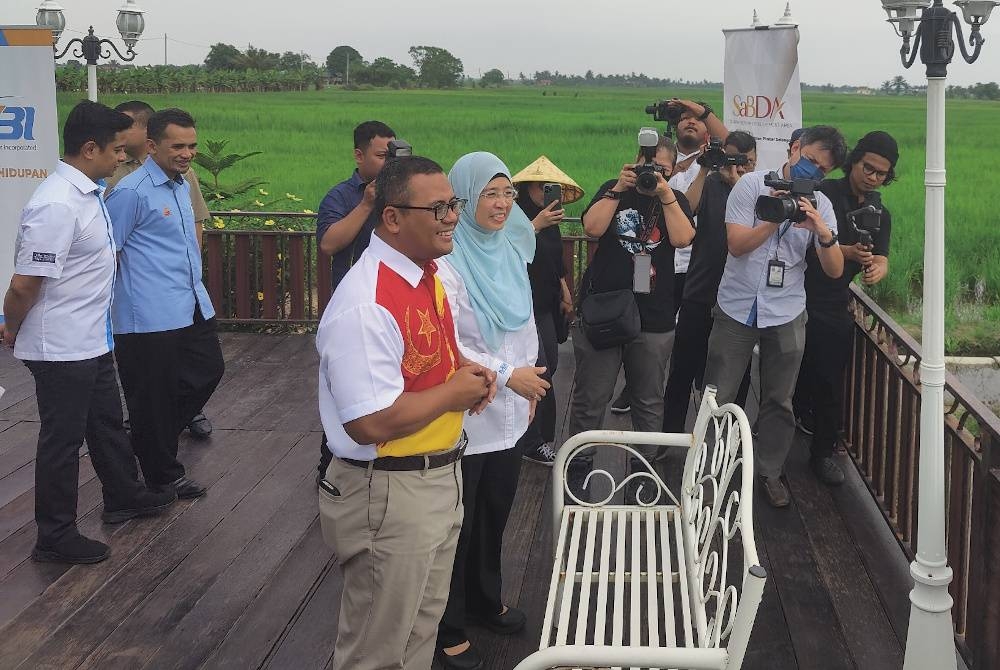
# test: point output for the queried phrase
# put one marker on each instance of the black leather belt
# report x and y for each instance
(411, 463)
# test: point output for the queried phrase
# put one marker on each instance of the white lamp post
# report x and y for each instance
(930, 640)
(90, 47)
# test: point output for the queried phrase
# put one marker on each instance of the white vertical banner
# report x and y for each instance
(29, 139)
(761, 91)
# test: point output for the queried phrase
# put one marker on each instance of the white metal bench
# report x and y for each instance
(662, 583)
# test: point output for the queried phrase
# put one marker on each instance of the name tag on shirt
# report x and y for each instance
(642, 269)
(775, 273)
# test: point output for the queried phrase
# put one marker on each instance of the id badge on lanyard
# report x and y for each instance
(776, 266)
(642, 270)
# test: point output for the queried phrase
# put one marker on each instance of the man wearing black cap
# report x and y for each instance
(828, 332)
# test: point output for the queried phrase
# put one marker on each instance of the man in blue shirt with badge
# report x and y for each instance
(168, 353)
(58, 321)
(762, 297)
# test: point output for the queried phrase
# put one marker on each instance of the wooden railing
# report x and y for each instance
(882, 430)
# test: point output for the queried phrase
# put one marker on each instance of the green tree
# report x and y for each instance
(210, 156)
(224, 57)
(294, 61)
(492, 77)
(437, 67)
(260, 59)
(338, 59)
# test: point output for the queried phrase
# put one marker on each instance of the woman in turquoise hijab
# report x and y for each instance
(486, 279)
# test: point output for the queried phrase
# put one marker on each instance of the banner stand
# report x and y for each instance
(29, 139)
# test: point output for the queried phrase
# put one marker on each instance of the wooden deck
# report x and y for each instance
(241, 578)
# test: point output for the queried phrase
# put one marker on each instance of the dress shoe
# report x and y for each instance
(775, 491)
(187, 488)
(146, 503)
(827, 471)
(78, 550)
(504, 623)
(200, 426)
(466, 660)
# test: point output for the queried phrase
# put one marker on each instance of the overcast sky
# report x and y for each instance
(843, 41)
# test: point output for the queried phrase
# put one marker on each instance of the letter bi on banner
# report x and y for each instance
(29, 140)
(761, 91)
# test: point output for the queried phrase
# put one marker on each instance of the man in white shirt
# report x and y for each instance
(762, 298)
(393, 388)
(58, 320)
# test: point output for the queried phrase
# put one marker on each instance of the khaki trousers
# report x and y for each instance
(394, 534)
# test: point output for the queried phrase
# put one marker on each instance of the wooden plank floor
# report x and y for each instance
(241, 578)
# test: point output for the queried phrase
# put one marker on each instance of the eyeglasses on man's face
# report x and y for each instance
(870, 170)
(508, 194)
(441, 209)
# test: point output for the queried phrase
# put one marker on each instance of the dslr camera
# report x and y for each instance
(667, 111)
(715, 157)
(779, 208)
(646, 169)
(398, 149)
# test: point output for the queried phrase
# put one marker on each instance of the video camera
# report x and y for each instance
(646, 169)
(779, 208)
(869, 217)
(715, 157)
(398, 149)
(666, 110)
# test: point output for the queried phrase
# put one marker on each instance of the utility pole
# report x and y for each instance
(164, 48)
(347, 70)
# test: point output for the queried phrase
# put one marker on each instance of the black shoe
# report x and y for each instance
(200, 426)
(504, 623)
(775, 491)
(467, 660)
(805, 423)
(576, 474)
(827, 471)
(78, 550)
(187, 488)
(146, 503)
(543, 454)
(621, 405)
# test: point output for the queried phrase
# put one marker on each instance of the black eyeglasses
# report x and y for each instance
(870, 170)
(441, 209)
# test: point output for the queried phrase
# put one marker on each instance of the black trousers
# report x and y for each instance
(687, 364)
(489, 482)
(542, 429)
(167, 377)
(77, 400)
(820, 386)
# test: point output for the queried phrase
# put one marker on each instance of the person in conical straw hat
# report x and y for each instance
(551, 299)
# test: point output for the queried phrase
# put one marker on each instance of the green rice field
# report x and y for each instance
(589, 133)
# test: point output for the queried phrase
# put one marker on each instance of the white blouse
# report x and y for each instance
(505, 419)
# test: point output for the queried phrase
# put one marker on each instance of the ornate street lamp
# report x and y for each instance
(930, 641)
(90, 47)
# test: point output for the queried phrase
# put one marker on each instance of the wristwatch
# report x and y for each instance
(612, 195)
(833, 240)
(704, 115)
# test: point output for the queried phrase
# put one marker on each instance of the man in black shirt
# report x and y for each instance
(818, 393)
(708, 260)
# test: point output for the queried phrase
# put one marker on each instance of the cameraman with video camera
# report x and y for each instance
(771, 221)
(725, 165)
(864, 230)
(629, 284)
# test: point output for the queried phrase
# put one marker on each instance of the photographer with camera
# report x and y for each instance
(771, 221)
(727, 164)
(864, 230)
(695, 123)
(626, 309)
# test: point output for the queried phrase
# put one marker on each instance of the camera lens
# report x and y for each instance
(776, 208)
(646, 181)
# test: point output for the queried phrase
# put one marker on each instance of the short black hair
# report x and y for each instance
(137, 109)
(156, 127)
(92, 122)
(829, 138)
(393, 180)
(857, 153)
(369, 130)
(741, 140)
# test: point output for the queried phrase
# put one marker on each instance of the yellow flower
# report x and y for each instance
(260, 295)
(235, 210)
(290, 196)
(219, 196)
(269, 222)
(308, 211)
(262, 191)
(219, 223)
(291, 230)
(258, 203)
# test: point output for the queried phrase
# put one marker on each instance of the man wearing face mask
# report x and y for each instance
(708, 260)
(762, 299)
(870, 165)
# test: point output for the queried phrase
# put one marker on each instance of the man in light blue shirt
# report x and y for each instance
(168, 353)
(762, 297)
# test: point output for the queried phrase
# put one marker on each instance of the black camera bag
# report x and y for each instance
(610, 319)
